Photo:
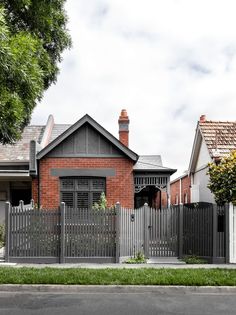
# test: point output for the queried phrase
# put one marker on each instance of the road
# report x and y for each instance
(146, 303)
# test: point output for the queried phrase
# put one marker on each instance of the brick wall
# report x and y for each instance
(185, 188)
(118, 188)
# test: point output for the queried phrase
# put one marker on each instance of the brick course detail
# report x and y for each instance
(118, 188)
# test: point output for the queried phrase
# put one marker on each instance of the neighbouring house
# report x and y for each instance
(180, 189)
(213, 141)
(76, 163)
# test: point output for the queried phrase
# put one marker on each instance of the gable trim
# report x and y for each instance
(87, 119)
(195, 150)
(198, 140)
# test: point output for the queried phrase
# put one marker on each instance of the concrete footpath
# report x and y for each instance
(121, 266)
(158, 289)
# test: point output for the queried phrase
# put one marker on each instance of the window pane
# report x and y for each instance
(98, 184)
(68, 198)
(83, 184)
(67, 183)
(82, 200)
(96, 197)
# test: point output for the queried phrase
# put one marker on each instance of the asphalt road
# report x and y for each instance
(147, 303)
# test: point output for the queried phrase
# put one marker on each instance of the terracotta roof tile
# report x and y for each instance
(220, 136)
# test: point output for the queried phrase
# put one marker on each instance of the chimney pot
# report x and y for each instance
(124, 127)
(202, 118)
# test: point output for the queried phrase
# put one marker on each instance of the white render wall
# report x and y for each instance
(201, 179)
(203, 157)
(199, 190)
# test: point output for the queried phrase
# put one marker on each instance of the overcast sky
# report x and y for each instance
(165, 61)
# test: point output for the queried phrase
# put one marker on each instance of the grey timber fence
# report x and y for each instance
(204, 231)
(68, 235)
(32, 235)
(60, 235)
(89, 234)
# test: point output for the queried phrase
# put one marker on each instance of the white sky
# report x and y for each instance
(165, 61)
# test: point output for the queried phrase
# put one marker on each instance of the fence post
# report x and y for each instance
(7, 230)
(117, 229)
(62, 250)
(181, 208)
(231, 234)
(146, 230)
(226, 229)
(214, 233)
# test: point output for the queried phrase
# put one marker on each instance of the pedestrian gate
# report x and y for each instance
(153, 232)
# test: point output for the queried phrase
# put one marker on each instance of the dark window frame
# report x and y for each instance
(78, 188)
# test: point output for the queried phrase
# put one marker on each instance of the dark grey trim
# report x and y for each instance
(101, 172)
(157, 173)
(14, 171)
(84, 155)
(32, 158)
(87, 119)
(14, 163)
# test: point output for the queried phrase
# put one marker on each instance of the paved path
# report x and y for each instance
(120, 266)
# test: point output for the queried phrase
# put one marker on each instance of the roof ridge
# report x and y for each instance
(217, 121)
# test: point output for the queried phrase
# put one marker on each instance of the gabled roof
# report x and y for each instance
(19, 152)
(151, 163)
(87, 119)
(219, 137)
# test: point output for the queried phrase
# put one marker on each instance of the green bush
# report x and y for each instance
(192, 259)
(2, 235)
(138, 259)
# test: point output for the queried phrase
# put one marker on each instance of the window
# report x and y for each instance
(82, 192)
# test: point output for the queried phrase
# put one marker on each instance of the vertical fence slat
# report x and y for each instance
(62, 254)
(117, 229)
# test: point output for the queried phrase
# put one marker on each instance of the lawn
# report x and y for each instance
(142, 276)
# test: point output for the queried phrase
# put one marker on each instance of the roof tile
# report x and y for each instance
(220, 136)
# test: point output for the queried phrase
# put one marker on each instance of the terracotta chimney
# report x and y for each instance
(202, 118)
(124, 127)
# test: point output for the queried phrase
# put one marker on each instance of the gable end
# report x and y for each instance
(85, 142)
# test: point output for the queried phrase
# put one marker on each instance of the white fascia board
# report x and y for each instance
(195, 150)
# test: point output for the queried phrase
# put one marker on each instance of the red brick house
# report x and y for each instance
(76, 163)
(180, 190)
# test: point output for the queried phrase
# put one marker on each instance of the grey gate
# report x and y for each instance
(154, 232)
(163, 232)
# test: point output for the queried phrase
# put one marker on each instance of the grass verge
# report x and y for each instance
(142, 276)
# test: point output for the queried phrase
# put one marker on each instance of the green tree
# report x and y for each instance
(223, 179)
(33, 36)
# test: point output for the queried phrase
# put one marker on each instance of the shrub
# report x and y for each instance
(138, 259)
(192, 259)
(2, 235)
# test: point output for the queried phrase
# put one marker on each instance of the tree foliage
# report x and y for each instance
(33, 36)
(223, 179)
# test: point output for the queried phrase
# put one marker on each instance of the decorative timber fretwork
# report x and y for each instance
(143, 181)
